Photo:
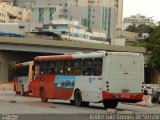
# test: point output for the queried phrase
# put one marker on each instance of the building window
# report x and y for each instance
(41, 14)
(51, 13)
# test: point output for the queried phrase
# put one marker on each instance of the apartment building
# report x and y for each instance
(11, 14)
(94, 14)
(117, 4)
(3, 17)
(46, 13)
(23, 3)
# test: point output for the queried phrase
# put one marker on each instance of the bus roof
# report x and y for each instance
(80, 55)
(69, 56)
(53, 57)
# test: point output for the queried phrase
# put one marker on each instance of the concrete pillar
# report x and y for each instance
(4, 67)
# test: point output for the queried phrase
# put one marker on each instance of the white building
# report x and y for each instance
(117, 4)
(72, 30)
(46, 13)
(137, 20)
(64, 3)
(102, 15)
(95, 17)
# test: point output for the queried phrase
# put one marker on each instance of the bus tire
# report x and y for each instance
(78, 98)
(43, 95)
(110, 103)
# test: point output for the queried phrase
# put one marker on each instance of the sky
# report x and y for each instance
(149, 8)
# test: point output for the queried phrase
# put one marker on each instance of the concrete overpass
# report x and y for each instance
(25, 49)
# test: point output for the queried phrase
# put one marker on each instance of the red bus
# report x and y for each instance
(99, 77)
(21, 75)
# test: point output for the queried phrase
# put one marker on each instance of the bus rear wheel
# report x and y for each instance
(78, 98)
(110, 103)
(43, 95)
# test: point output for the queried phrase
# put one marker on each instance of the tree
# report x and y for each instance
(131, 28)
(142, 28)
(152, 43)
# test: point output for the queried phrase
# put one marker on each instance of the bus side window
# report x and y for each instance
(42, 68)
(78, 64)
(68, 67)
(97, 67)
(36, 70)
(87, 66)
(51, 67)
(59, 67)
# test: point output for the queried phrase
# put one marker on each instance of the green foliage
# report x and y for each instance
(139, 29)
(152, 43)
(131, 28)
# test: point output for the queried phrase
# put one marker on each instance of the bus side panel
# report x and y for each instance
(90, 88)
(45, 82)
(63, 86)
(56, 87)
(36, 86)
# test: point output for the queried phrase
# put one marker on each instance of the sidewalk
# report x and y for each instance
(6, 86)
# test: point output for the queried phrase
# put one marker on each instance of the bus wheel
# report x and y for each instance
(43, 95)
(110, 103)
(78, 98)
